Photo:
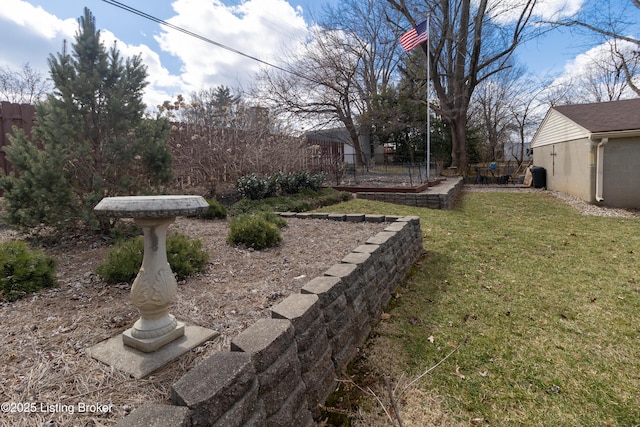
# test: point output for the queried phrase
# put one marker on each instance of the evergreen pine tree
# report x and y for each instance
(91, 139)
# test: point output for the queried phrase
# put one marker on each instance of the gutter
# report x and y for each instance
(632, 133)
(600, 168)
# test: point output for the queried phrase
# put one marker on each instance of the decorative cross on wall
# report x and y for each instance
(553, 159)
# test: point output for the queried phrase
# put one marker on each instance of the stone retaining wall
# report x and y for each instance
(442, 196)
(280, 369)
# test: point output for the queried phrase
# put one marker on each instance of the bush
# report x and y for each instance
(216, 210)
(291, 183)
(253, 231)
(124, 260)
(24, 270)
(256, 187)
(274, 219)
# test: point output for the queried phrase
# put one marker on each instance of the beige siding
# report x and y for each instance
(569, 167)
(621, 187)
(557, 128)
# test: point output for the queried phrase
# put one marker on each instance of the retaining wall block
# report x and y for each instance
(272, 346)
(337, 316)
(374, 218)
(222, 383)
(367, 249)
(354, 217)
(352, 275)
(380, 238)
(395, 226)
(373, 286)
(314, 351)
(293, 411)
(304, 215)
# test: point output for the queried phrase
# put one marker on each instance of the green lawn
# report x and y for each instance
(548, 300)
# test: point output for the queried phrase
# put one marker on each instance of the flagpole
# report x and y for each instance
(428, 106)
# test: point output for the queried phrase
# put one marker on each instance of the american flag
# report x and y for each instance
(414, 36)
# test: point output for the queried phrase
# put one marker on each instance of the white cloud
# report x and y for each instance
(556, 9)
(259, 28)
(584, 62)
(37, 20)
(584, 75)
(508, 11)
(34, 34)
(162, 84)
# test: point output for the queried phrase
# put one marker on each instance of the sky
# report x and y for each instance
(179, 64)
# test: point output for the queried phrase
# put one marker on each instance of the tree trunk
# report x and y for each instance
(355, 139)
(459, 158)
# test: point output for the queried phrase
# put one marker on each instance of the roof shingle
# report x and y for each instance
(604, 116)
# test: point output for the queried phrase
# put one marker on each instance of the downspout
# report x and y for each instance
(600, 168)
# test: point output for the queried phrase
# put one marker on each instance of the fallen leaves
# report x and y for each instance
(460, 374)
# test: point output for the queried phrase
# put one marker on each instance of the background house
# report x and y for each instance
(592, 151)
(336, 144)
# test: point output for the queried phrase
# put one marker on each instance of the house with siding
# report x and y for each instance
(592, 151)
(336, 144)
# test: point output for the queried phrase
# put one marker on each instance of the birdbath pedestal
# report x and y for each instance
(155, 286)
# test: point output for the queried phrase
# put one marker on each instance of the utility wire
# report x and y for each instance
(205, 39)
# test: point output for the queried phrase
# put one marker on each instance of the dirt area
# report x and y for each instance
(44, 336)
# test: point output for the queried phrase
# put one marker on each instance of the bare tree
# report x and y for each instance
(611, 25)
(610, 76)
(23, 86)
(334, 78)
(491, 109)
(470, 40)
(320, 85)
(369, 21)
(527, 109)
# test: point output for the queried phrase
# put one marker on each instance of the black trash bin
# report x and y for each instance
(539, 176)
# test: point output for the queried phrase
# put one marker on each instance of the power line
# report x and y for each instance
(205, 39)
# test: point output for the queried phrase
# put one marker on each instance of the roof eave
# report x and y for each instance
(631, 133)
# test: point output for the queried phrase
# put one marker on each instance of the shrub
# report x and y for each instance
(298, 181)
(254, 186)
(24, 270)
(315, 181)
(124, 260)
(291, 183)
(216, 210)
(274, 219)
(185, 256)
(253, 231)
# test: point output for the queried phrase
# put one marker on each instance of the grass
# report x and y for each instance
(547, 300)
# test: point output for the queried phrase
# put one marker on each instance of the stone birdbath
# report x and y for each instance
(155, 286)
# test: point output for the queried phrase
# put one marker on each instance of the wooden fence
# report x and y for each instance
(20, 115)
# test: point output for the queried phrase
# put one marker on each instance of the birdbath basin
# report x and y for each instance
(155, 285)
